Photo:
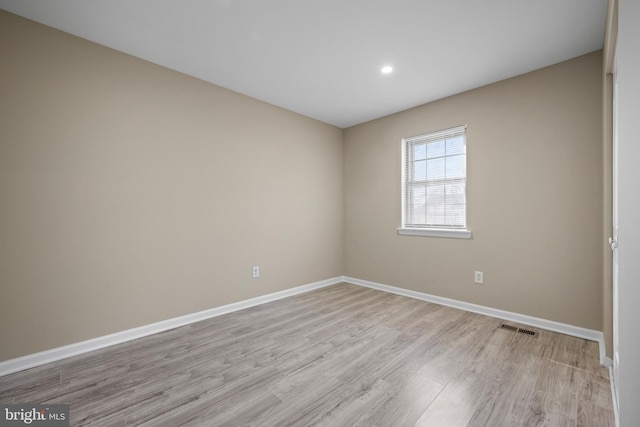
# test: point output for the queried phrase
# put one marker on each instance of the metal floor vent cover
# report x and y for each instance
(518, 330)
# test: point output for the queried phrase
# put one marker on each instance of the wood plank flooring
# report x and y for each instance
(339, 356)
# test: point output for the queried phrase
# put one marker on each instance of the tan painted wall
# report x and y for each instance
(130, 193)
(534, 197)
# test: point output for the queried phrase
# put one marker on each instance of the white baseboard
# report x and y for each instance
(563, 328)
(55, 354)
(59, 353)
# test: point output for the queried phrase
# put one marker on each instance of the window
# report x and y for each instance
(434, 184)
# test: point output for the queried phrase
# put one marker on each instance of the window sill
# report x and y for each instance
(435, 232)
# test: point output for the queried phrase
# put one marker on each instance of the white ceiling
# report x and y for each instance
(322, 58)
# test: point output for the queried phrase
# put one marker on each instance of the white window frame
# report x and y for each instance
(426, 230)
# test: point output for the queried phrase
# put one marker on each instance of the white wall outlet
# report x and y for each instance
(256, 272)
(479, 277)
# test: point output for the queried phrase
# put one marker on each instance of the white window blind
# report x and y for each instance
(434, 180)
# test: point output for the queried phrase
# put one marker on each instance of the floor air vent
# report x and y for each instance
(518, 330)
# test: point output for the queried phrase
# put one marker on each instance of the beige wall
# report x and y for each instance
(534, 197)
(130, 193)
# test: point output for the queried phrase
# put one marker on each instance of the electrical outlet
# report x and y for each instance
(479, 277)
(256, 272)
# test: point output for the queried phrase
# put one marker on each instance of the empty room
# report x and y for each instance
(331, 213)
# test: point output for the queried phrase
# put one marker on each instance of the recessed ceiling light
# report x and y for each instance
(387, 69)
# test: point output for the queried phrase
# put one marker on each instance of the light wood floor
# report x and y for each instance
(339, 356)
